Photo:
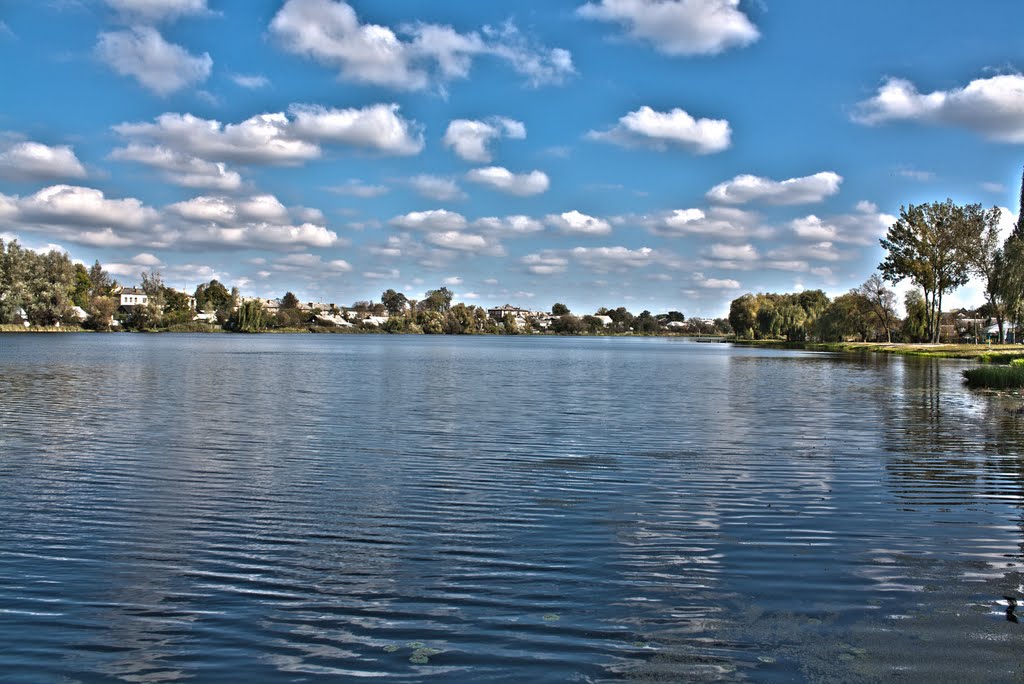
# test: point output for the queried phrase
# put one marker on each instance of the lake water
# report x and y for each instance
(233, 508)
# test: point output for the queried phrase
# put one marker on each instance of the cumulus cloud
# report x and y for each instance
(35, 161)
(453, 281)
(578, 222)
(745, 252)
(607, 259)
(470, 139)
(142, 53)
(357, 188)
(716, 283)
(276, 138)
(464, 242)
(509, 225)
(862, 227)
(678, 27)
(993, 107)
(805, 190)
(436, 188)
(157, 10)
(519, 184)
(545, 263)
(248, 222)
(82, 215)
(307, 263)
(378, 127)
(181, 169)
(250, 81)
(411, 58)
(433, 219)
(661, 130)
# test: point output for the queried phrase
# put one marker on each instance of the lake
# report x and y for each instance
(277, 507)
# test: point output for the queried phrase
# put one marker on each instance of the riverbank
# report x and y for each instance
(996, 353)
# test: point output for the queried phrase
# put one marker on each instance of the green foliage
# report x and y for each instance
(437, 300)
(41, 285)
(394, 302)
(83, 287)
(934, 246)
(915, 325)
(1017, 363)
(289, 301)
(249, 318)
(995, 377)
(559, 309)
(568, 324)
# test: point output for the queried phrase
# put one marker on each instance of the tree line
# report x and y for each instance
(44, 290)
(937, 247)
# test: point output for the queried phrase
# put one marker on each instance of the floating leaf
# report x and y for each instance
(390, 648)
(551, 617)
(419, 659)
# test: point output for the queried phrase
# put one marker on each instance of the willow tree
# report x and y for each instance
(932, 245)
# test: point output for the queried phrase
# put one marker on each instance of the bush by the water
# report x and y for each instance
(996, 377)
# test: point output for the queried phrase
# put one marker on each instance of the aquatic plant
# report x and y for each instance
(995, 377)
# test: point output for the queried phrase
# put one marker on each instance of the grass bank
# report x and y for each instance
(997, 353)
(13, 328)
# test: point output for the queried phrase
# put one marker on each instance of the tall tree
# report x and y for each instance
(881, 301)
(394, 302)
(931, 244)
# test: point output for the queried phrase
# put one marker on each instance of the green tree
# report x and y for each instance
(82, 287)
(559, 309)
(932, 245)
(915, 325)
(289, 301)
(743, 316)
(881, 301)
(394, 302)
(437, 300)
(249, 318)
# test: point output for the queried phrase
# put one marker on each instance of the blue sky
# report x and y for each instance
(657, 154)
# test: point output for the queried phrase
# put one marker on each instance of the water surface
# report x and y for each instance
(223, 508)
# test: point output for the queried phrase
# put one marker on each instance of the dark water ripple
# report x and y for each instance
(223, 508)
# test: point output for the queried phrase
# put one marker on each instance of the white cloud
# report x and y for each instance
(805, 190)
(509, 225)
(862, 227)
(248, 222)
(990, 186)
(520, 184)
(734, 252)
(181, 169)
(717, 283)
(250, 81)
(262, 139)
(605, 259)
(146, 259)
(453, 281)
(678, 27)
(329, 32)
(433, 219)
(157, 10)
(378, 127)
(993, 107)
(659, 130)
(722, 222)
(78, 206)
(578, 222)
(142, 53)
(819, 251)
(33, 161)
(464, 242)
(545, 264)
(917, 175)
(311, 262)
(357, 188)
(469, 139)
(274, 138)
(436, 188)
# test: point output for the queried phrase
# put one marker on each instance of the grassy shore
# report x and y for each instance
(996, 353)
